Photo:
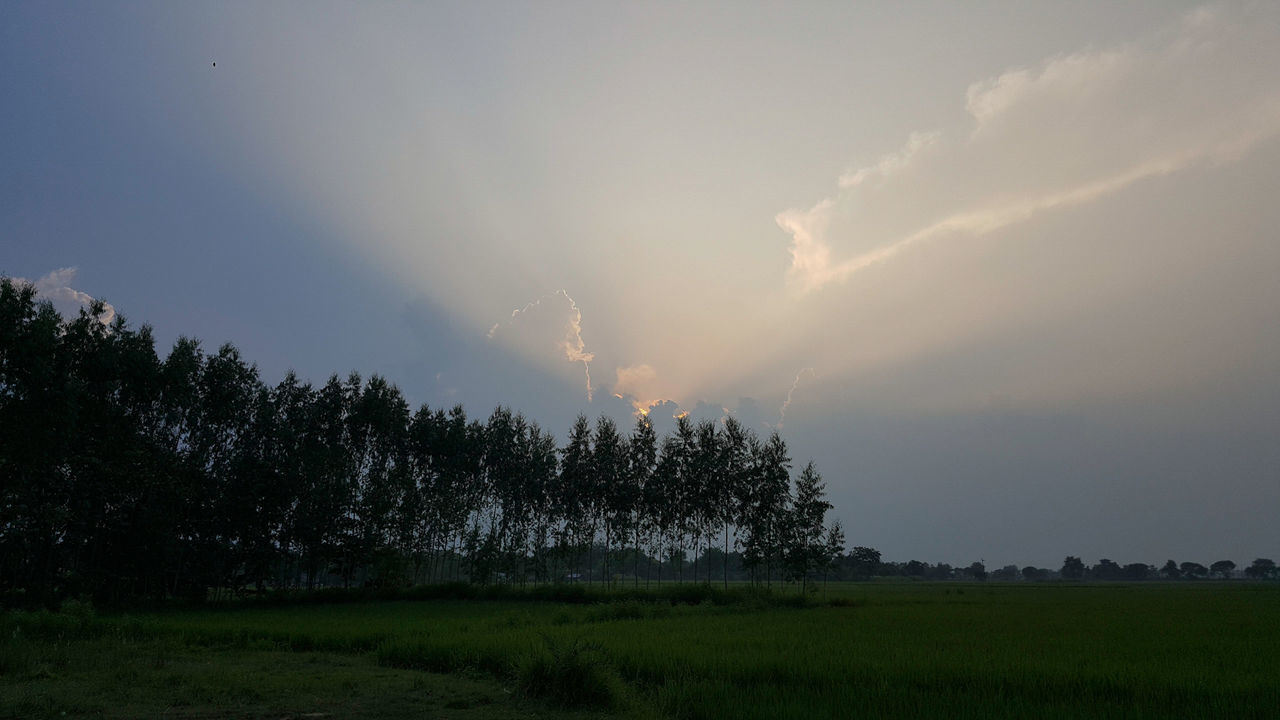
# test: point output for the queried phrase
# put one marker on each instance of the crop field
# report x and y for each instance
(858, 650)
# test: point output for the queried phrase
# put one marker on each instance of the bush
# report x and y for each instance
(570, 675)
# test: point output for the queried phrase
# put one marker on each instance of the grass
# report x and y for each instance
(872, 650)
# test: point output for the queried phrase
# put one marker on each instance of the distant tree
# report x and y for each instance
(834, 548)
(864, 562)
(1033, 574)
(977, 571)
(1008, 573)
(1170, 570)
(1137, 571)
(1261, 569)
(1106, 570)
(1072, 568)
(941, 571)
(1193, 570)
(915, 568)
(1223, 568)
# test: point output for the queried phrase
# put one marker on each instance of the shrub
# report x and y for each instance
(570, 675)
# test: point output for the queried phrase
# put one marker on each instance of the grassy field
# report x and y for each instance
(866, 650)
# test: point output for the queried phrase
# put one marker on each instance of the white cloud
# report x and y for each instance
(635, 380)
(891, 163)
(1075, 129)
(56, 288)
(782, 411)
(563, 330)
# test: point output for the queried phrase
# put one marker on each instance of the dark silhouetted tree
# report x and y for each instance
(864, 562)
(1223, 569)
(1072, 568)
(1261, 569)
(1193, 570)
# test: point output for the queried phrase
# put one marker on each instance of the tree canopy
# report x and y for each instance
(128, 475)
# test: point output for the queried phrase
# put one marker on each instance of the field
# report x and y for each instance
(858, 650)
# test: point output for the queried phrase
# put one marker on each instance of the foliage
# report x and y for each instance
(570, 674)
(881, 650)
(128, 476)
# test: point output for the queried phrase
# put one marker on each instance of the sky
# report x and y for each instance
(1006, 272)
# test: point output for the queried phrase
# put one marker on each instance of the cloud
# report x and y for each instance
(706, 410)
(989, 225)
(56, 288)
(1066, 133)
(636, 382)
(782, 411)
(891, 163)
(566, 328)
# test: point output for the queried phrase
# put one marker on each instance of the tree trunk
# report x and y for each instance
(726, 556)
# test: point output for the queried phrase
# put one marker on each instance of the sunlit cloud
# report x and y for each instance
(568, 337)
(917, 251)
(56, 288)
(1057, 136)
(635, 383)
(782, 411)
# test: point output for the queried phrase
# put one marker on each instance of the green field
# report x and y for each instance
(859, 650)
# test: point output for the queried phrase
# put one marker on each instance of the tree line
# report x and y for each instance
(862, 563)
(124, 475)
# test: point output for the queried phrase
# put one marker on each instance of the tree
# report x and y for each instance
(977, 571)
(1170, 570)
(642, 459)
(769, 493)
(806, 549)
(834, 548)
(735, 475)
(124, 475)
(864, 562)
(1137, 571)
(1192, 570)
(1261, 569)
(609, 463)
(1106, 570)
(574, 488)
(1223, 568)
(1072, 568)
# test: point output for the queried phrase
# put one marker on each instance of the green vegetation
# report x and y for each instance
(876, 650)
(127, 476)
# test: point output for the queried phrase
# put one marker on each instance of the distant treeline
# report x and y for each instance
(123, 475)
(862, 563)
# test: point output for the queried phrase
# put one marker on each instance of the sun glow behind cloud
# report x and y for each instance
(689, 297)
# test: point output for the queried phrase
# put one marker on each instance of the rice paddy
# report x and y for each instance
(857, 650)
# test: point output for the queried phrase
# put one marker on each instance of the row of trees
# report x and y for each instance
(862, 563)
(126, 475)
(1073, 568)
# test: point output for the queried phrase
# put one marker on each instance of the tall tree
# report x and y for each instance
(642, 460)
(136, 476)
(806, 541)
(769, 498)
(575, 488)
(609, 472)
